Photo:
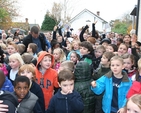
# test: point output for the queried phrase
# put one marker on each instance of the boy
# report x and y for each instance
(66, 100)
(83, 79)
(27, 101)
(9, 101)
(46, 76)
(97, 56)
(102, 70)
(115, 85)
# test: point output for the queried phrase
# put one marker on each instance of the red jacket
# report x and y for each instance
(134, 89)
(48, 80)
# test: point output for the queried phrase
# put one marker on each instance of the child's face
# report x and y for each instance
(122, 50)
(127, 39)
(104, 60)
(73, 57)
(46, 62)
(75, 46)
(109, 49)
(98, 53)
(27, 73)
(132, 107)
(14, 63)
(84, 51)
(105, 44)
(21, 89)
(11, 49)
(56, 55)
(29, 49)
(127, 63)
(116, 67)
(67, 86)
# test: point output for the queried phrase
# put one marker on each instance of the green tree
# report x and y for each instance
(48, 23)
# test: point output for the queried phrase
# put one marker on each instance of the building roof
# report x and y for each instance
(86, 10)
(134, 11)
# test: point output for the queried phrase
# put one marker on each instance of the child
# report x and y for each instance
(10, 102)
(27, 101)
(15, 61)
(59, 57)
(75, 47)
(123, 48)
(86, 51)
(46, 76)
(29, 71)
(74, 57)
(111, 48)
(32, 49)
(83, 79)
(129, 67)
(115, 85)
(136, 86)
(103, 69)
(133, 104)
(66, 65)
(97, 56)
(21, 48)
(66, 100)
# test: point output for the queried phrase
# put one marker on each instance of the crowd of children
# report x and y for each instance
(70, 73)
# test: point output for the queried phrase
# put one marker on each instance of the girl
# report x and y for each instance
(15, 62)
(123, 48)
(59, 57)
(127, 40)
(129, 66)
(133, 104)
(29, 71)
(111, 48)
(75, 47)
(74, 57)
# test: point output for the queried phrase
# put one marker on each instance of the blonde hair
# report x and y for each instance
(119, 58)
(68, 65)
(28, 67)
(13, 44)
(62, 54)
(18, 57)
(101, 47)
(21, 48)
(136, 99)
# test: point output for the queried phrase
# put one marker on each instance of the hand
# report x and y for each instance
(93, 83)
(55, 28)
(70, 91)
(95, 22)
(3, 107)
(121, 110)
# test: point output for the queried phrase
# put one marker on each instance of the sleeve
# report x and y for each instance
(55, 81)
(75, 101)
(93, 30)
(51, 107)
(37, 108)
(48, 44)
(100, 85)
(82, 32)
(54, 35)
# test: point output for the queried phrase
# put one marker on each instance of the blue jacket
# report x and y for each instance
(71, 103)
(7, 86)
(105, 84)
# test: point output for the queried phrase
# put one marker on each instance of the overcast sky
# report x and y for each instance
(35, 10)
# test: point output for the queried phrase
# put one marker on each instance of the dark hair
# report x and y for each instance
(115, 48)
(1, 55)
(2, 78)
(34, 29)
(21, 79)
(77, 55)
(64, 75)
(87, 45)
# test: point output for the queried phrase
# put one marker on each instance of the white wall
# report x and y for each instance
(81, 21)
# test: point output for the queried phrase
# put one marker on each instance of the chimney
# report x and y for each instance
(26, 20)
(98, 13)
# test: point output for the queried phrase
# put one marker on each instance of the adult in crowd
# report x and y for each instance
(38, 38)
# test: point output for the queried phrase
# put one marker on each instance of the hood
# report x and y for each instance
(42, 55)
(82, 71)
(10, 97)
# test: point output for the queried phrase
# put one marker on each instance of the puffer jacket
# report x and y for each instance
(82, 85)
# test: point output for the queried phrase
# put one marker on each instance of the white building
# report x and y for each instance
(88, 17)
